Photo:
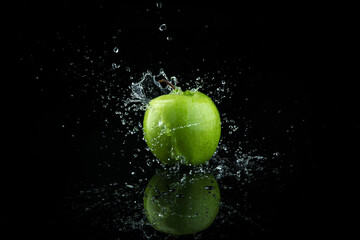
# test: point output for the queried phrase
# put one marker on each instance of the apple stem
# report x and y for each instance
(167, 82)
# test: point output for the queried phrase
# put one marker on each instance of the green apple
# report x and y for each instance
(180, 204)
(182, 126)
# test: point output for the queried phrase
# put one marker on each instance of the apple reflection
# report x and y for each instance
(181, 203)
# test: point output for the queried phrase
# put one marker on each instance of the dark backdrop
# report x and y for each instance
(282, 51)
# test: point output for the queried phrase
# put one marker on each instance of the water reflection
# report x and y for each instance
(182, 202)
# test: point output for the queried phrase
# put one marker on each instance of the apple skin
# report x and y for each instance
(182, 126)
(180, 204)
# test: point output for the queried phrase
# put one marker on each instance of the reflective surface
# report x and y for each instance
(181, 203)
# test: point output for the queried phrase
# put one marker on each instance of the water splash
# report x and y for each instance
(231, 165)
(148, 88)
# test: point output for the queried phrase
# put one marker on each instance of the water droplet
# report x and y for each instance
(148, 162)
(174, 80)
(169, 38)
(163, 27)
(132, 173)
(209, 187)
(116, 50)
(159, 4)
(115, 66)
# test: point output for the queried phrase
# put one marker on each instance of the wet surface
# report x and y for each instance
(91, 69)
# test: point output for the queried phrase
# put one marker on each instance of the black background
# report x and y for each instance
(288, 56)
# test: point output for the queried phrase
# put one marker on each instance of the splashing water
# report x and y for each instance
(148, 88)
(231, 163)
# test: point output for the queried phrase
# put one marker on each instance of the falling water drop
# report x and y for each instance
(129, 186)
(116, 50)
(159, 4)
(163, 27)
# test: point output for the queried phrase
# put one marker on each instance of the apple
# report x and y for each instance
(182, 126)
(180, 204)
